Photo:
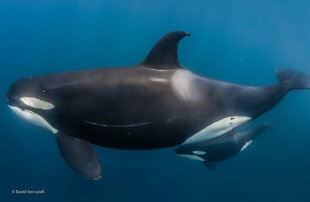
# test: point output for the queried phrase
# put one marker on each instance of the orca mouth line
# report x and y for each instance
(33, 118)
(119, 125)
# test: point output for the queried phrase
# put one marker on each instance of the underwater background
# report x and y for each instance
(236, 41)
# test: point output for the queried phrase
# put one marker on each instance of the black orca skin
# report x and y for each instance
(136, 107)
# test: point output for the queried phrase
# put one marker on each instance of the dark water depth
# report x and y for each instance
(237, 41)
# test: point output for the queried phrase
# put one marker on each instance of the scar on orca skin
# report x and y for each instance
(118, 125)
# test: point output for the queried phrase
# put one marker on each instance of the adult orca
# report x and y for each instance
(222, 147)
(154, 104)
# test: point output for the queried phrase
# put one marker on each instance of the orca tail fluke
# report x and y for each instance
(294, 79)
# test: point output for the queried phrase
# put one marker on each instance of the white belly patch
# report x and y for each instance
(217, 128)
(37, 103)
(246, 145)
(192, 157)
(33, 118)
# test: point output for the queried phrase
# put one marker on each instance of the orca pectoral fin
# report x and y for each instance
(80, 155)
(210, 165)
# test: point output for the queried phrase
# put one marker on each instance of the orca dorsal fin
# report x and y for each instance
(164, 55)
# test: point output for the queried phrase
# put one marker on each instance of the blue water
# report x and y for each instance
(237, 41)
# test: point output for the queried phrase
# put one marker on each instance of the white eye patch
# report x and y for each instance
(199, 152)
(37, 103)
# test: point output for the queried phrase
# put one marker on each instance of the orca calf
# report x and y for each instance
(154, 104)
(222, 147)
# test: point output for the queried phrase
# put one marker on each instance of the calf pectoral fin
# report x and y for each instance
(210, 165)
(80, 155)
